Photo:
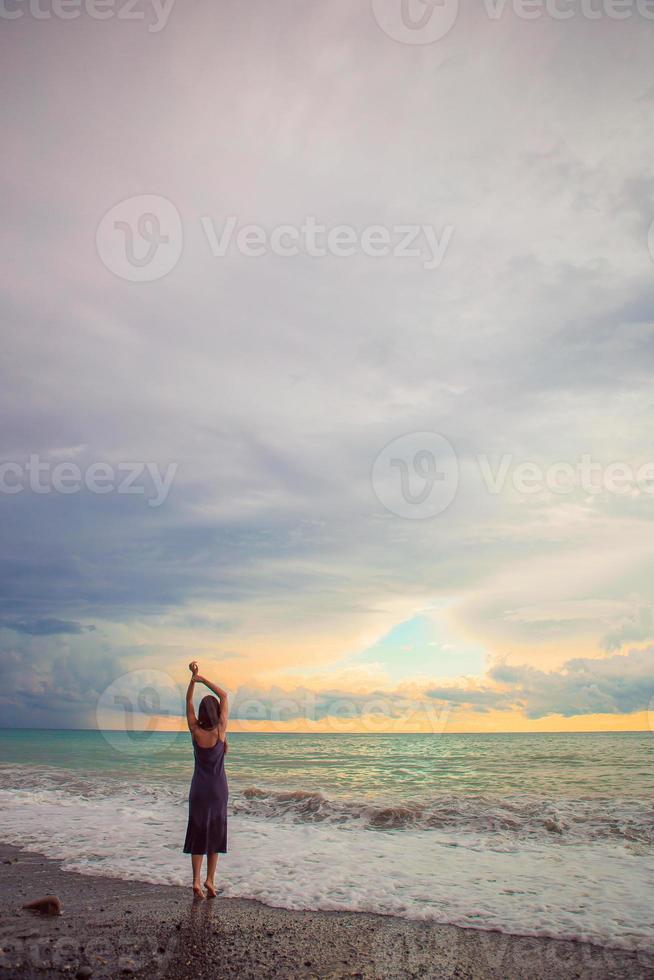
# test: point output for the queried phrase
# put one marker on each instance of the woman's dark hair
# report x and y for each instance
(209, 712)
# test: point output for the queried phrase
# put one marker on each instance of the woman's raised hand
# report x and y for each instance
(193, 667)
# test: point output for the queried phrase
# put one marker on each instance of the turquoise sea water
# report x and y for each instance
(545, 834)
(390, 767)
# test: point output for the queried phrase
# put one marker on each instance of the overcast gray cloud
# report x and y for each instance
(612, 685)
(45, 627)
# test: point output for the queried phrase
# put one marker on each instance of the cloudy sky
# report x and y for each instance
(396, 474)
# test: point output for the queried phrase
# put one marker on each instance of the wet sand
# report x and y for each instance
(117, 928)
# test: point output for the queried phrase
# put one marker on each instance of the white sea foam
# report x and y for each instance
(595, 890)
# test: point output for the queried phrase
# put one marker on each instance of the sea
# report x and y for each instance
(531, 834)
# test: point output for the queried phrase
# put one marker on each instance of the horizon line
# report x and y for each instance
(181, 731)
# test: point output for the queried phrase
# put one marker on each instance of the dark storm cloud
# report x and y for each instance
(46, 682)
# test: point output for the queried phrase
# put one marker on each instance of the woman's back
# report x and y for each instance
(206, 738)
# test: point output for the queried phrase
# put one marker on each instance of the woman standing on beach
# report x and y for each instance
(207, 818)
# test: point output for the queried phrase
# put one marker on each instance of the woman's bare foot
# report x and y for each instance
(209, 885)
(197, 890)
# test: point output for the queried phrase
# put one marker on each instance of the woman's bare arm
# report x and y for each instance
(190, 710)
(212, 687)
(220, 693)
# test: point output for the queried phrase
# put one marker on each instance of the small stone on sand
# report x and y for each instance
(48, 905)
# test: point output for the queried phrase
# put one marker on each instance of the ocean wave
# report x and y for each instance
(587, 819)
(627, 820)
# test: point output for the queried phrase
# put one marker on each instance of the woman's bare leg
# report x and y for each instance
(212, 861)
(196, 861)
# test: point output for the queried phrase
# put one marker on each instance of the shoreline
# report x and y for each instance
(131, 928)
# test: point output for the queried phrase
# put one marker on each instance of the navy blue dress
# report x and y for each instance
(207, 802)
